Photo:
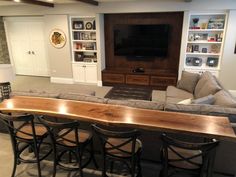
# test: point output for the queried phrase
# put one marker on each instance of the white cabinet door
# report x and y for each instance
(91, 73)
(27, 46)
(78, 72)
(86, 73)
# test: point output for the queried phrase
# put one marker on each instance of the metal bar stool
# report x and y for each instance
(189, 158)
(68, 139)
(28, 135)
(120, 146)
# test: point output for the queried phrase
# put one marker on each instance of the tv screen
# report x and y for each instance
(141, 40)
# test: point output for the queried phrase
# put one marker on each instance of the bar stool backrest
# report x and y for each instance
(127, 137)
(186, 155)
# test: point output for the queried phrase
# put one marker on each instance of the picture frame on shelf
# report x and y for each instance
(79, 56)
(78, 46)
(216, 23)
(195, 48)
(204, 25)
(215, 48)
(93, 36)
(78, 25)
(88, 26)
(204, 50)
(86, 36)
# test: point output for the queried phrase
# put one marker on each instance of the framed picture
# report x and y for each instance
(79, 25)
(93, 36)
(216, 23)
(204, 50)
(57, 38)
(79, 56)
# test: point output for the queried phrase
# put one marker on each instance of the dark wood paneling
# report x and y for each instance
(159, 72)
(137, 79)
(171, 62)
(113, 78)
(162, 81)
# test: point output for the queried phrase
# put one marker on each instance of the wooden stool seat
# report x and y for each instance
(123, 149)
(40, 131)
(69, 139)
(186, 154)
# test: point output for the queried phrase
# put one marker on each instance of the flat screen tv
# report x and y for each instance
(141, 40)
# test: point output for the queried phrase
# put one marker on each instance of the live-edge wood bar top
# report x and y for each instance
(200, 125)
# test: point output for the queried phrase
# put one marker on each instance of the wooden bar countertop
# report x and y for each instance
(200, 125)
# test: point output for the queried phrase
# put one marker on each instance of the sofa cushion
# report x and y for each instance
(172, 91)
(35, 94)
(204, 100)
(192, 108)
(155, 105)
(174, 100)
(224, 98)
(187, 101)
(206, 85)
(188, 81)
(217, 110)
(82, 97)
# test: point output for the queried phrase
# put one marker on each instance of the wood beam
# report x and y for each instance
(35, 2)
(92, 2)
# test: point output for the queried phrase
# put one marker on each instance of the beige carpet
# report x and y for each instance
(26, 83)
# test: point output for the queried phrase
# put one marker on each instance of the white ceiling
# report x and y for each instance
(2, 3)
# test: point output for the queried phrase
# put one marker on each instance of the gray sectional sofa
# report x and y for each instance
(194, 94)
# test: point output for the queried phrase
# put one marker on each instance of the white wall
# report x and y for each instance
(228, 66)
(59, 59)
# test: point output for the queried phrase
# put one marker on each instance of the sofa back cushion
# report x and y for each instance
(191, 108)
(155, 105)
(206, 85)
(188, 81)
(224, 98)
(210, 99)
(82, 97)
(35, 94)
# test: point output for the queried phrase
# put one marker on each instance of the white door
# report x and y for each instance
(19, 46)
(91, 73)
(27, 47)
(36, 35)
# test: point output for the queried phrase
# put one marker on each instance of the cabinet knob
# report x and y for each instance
(29, 52)
(33, 52)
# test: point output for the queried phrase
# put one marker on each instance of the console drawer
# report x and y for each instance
(137, 79)
(162, 81)
(113, 78)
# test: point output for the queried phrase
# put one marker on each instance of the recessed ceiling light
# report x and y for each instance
(16, 0)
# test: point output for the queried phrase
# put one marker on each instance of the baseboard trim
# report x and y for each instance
(62, 80)
(99, 83)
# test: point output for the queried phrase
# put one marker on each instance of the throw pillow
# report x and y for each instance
(187, 101)
(188, 81)
(206, 85)
(223, 98)
(204, 100)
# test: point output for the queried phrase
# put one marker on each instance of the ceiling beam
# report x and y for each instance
(35, 2)
(92, 2)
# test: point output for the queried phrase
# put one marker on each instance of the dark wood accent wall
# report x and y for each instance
(156, 65)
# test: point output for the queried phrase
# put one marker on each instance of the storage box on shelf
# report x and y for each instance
(205, 43)
(84, 49)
